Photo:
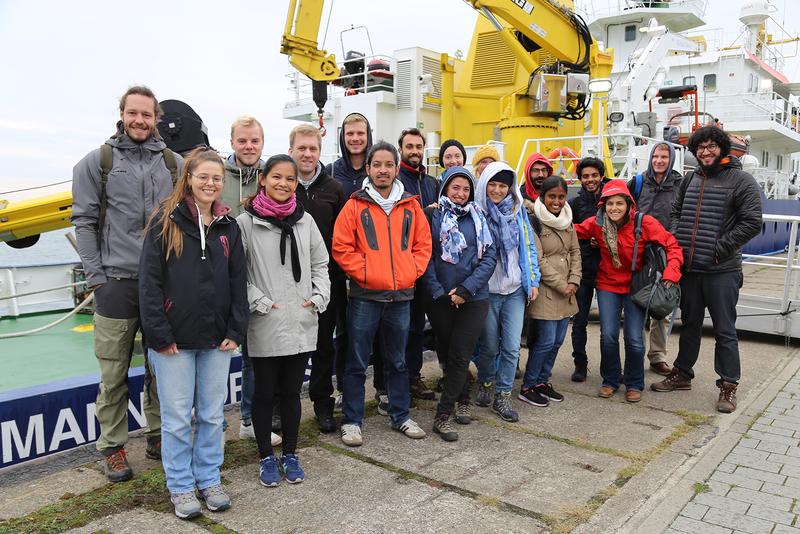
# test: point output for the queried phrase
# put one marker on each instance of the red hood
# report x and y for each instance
(617, 187)
(530, 192)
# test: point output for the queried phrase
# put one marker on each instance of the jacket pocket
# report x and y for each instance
(369, 229)
(408, 219)
(112, 337)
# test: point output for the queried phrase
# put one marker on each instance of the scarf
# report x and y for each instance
(560, 222)
(452, 240)
(284, 216)
(501, 220)
(611, 237)
(265, 206)
(386, 204)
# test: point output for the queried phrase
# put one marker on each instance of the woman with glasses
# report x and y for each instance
(193, 290)
(287, 287)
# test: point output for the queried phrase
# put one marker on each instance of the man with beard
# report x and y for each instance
(242, 167)
(537, 169)
(115, 189)
(591, 172)
(716, 211)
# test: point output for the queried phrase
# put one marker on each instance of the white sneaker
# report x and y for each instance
(351, 435)
(275, 439)
(246, 431)
(411, 429)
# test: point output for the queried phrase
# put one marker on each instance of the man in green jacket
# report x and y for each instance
(242, 167)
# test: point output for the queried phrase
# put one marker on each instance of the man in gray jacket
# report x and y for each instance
(242, 167)
(115, 188)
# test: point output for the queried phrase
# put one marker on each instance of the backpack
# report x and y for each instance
(647, 287)
(635, 187)
(106, 162)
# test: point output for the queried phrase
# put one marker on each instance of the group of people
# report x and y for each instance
(341, 264)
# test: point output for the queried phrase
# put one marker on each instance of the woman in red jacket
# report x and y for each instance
(613, 230)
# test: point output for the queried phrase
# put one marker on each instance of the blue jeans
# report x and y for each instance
(580, 320)
(549, 336)
(611, 306)
(248, 386)
(498, 347)
(191, 379)
(389, 321)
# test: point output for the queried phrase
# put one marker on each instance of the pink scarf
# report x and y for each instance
(265, 206)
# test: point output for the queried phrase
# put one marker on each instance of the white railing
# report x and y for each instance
(594, 9)
(775, 183)
(744, 107)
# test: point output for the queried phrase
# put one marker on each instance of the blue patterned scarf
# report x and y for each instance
(501, 219)
(453, 241)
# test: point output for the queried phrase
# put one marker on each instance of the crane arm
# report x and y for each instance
(299, 41)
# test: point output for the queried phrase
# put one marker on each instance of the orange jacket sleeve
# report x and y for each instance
(422, 247)
(655, 233)
(345, 240)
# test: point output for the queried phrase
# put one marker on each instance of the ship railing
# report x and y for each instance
(595, 9)
(775, 183)
(748, 107)
(368, 81)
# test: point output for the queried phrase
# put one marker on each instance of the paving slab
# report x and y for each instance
(343, 494)
(139, 521)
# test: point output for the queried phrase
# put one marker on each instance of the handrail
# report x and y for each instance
(46, 290)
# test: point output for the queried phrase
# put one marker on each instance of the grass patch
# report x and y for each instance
(701, 487)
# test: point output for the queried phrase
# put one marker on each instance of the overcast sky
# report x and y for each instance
(64, 65)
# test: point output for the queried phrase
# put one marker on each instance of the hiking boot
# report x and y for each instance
(268, 472)
(502, 407)
(633, 395)
(485, 393)
(186, 504)
(579, 374)
(290, 466)
(661, 368)
(606, 392)
(674, 381)
(323, 413)
(420, 390)
(117, 467)
(246, 430)
(533, 397)
(727, 397)
(383, 402)
(351, 435)
(410, 429)
(547, 390)
(462, 413)
(153, 450)
(216, 499)
(442, 426)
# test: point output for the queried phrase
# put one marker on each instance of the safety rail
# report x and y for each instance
(745, 107)
(594, 9)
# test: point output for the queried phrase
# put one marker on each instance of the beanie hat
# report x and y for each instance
(504, 176)
(447, 144)
(486, 151)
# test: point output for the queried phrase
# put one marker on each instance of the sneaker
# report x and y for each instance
(727, 397)
(337, 404)
(485, 393)
(351, 435)
(420, 390)
(186, 504)
(246, 431)
(546, 390)
(275, 439)
(462, 413)
(290, 466)
(410, 429)
(533, 397)
(383, 402)
(216, 499)
(674, 381)
(153, 450)
(442, 426)
(502, 407)
(268, 472)
(117, 467)
(579, 374)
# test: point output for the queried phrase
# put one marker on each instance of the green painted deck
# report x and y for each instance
(55, 354)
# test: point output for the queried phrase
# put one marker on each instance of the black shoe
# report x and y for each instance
(546, 390)
(323, 413)
(579, 375)
(153, 450)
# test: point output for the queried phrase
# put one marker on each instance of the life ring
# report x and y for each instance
(562, 154)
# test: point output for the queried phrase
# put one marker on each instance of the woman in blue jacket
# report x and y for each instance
(193, 294)
(462, 260)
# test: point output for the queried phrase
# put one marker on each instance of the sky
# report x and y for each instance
(65, 64)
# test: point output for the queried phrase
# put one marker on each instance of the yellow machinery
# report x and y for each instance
(526, 75)
(22, 221)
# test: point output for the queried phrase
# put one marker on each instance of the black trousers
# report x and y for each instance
(457, 332)
(282, 376)
(320, 385)
(718, 292)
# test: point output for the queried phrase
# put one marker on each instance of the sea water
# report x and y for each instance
(52, 248)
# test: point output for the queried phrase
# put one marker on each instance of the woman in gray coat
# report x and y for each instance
(287, 287)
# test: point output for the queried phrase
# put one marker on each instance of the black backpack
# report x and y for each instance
(647, 287)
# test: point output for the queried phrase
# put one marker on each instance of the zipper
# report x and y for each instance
(696, 221)
(391, 255)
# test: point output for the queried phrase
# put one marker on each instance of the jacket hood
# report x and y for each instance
(491, 170)
(120, 140)
(530, 192)
(343, 146)
(670, 165)
(457, 172)
(230, 163)
(613, 188)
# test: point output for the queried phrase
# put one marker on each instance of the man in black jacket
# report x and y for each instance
(716, 212)
(355, 140)
(323, 198)
(591, 172)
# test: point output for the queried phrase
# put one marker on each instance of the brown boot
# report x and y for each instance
(727, 397)
(674, 381)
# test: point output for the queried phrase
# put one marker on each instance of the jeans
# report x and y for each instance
(718, 292)
(248, 386)
(579, 322)
(191, 379)
(498, 347)
(611, 306)
(550, 336)
(389, 322)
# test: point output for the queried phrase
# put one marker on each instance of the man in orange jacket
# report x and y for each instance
(382, 241)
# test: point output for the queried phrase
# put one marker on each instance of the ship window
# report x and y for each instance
(779, 162)
(710, 82)
(630, 33)
(764, 159)
(689, 80)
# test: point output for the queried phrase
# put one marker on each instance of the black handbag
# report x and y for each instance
(648, 290)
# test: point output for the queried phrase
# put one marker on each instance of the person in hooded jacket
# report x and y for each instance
(287, 288)
(193, 290)
(591, 173)
(462, 260)
(512, 286)
(537, 168)
(560, 264)
(242, 168)
(452, 154)
(613, 229)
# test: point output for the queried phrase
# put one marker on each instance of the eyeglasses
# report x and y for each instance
(710, 147)
(205, 178)
(535, 170)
